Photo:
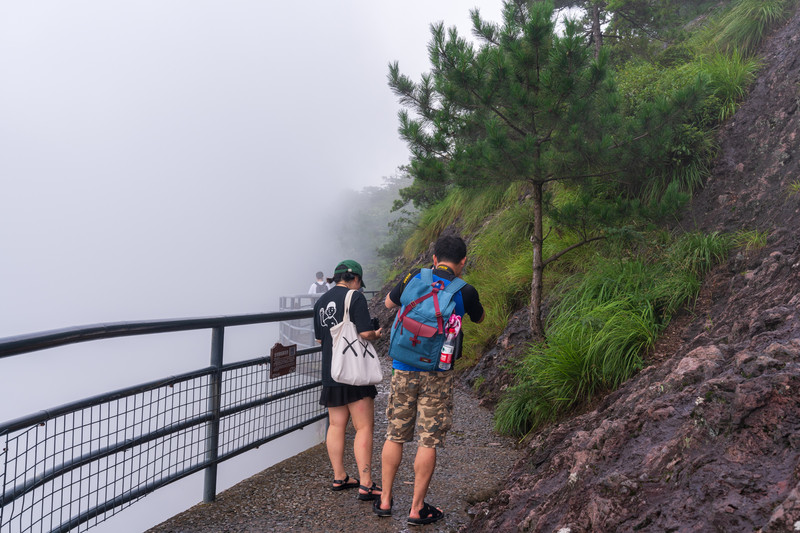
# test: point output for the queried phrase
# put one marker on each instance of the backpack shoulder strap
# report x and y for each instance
(426, 274)
(456, 285)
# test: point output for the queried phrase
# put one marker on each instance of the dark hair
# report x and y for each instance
(319, 275)
(450, 248)
(344, 276)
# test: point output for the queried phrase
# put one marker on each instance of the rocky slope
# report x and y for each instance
(706, 438)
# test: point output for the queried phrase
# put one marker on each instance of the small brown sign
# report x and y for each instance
(282, 360)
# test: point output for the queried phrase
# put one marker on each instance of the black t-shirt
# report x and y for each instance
(329, 311)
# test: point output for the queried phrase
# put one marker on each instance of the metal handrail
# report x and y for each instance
(60, 337)
(24, 487)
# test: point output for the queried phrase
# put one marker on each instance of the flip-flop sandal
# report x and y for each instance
(342, 484)
(427, 515)
(370, 494)
(376, 507)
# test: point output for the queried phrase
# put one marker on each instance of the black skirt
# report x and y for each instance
(339, 395)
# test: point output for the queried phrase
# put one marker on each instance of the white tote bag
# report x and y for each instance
(354, 360)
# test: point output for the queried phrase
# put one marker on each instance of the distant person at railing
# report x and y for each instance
(319, 286)
(345, 402)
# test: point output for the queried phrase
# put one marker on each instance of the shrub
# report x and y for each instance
(594, 341)
(607, 317)
(729, 77)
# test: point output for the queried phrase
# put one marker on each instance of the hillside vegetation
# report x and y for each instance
(566, 166)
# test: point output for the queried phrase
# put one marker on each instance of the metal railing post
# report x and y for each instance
(214, 405)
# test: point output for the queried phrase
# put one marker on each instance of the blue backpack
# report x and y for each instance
(418, 331)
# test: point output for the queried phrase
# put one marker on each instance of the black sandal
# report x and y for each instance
(376, 507)
(342, 484)
(427, 515)
(370, 494)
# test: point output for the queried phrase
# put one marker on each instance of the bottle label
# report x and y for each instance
(447, 354)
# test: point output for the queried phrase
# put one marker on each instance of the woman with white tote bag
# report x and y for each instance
(345, 402)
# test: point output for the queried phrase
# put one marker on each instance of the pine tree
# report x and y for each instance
(524, 105)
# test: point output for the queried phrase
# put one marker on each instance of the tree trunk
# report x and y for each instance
(537, 240)
(597, 34)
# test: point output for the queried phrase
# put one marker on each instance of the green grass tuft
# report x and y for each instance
(745, 25)
(729, 75)
(698, 253)
(750, 240)
(607, 317)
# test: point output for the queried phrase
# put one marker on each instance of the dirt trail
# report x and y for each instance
(294, 495)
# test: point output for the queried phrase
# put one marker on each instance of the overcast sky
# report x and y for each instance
(164, 158)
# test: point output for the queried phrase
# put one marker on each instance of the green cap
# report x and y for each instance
(348, 265)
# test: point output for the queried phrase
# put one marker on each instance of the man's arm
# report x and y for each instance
(472, 304)
(389, 303)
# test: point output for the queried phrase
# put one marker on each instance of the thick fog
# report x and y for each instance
(184, 158)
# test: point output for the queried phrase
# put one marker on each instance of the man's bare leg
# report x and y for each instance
(391, 457)
(424, 465)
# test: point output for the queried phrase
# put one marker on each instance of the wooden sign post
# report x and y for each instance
(282, 360)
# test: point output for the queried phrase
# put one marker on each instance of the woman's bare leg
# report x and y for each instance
(363, 414)
(334, 440)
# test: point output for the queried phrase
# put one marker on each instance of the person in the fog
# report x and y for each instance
(319, 286)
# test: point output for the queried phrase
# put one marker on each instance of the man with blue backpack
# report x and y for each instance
(422, 393)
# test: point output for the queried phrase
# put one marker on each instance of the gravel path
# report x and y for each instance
(294, 495)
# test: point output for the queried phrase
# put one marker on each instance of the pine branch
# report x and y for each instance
(552, 177)
(626, 143)
(474, 93)
(641, 26)
(569, 249)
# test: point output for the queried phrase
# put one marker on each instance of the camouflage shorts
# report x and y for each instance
(424, 400)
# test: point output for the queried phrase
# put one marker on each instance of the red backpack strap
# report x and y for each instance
(439, 319)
